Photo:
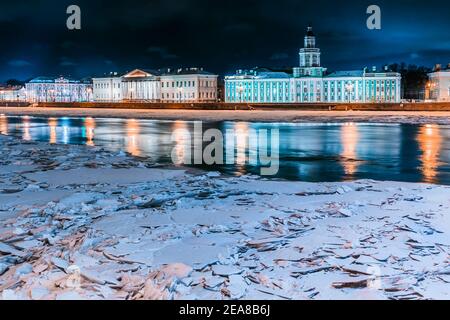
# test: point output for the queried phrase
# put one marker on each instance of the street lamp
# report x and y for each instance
(240, 90)
(52, 97)
(180, 92)
(349, 87)
(89, 93)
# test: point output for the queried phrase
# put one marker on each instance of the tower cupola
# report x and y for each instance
(309, 56)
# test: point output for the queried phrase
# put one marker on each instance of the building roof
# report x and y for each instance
(152, 71)
(349, 73)
(261, 73)
(272, 75)
(54, 80)
(142, 74)
(185, 71)
(112, 74)
(442, 70)
(9, 88)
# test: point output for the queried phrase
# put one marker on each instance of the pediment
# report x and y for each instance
(138, 73)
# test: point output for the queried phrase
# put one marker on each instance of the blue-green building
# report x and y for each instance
(310, 83)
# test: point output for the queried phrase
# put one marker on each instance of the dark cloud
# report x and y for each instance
(67, 62)
(19, 63)
(279, 56)
(162, 53)
(221, 36)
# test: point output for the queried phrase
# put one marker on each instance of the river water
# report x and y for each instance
(307, 152)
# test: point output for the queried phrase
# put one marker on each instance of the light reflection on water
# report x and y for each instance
(308, 152)
(430, 142)
(350, 138)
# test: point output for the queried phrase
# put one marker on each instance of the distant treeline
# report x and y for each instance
(414, 79)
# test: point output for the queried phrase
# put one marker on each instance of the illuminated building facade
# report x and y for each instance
(438, 88)
(13, 94)
(188, 85)
(141, 85)
(191, 85)
(310, 83)
(107, 89)
(45, 89)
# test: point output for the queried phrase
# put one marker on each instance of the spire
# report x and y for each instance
(310, 38)
(309, 32)
(309, 54)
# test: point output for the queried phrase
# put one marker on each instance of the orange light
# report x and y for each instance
(133, 130)
(52, 123)
(89, 123)
(3, 124)
(430, 143)
(350, 138)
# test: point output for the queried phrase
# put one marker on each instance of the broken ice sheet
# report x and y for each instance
(221, 270)
(199, 256)
(237, 286)
(86, 176)
(248, 238)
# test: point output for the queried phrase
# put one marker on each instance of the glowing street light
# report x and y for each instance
(180, 93)
(52, 95)
(349, 88)
(89, 93)
(240, 90)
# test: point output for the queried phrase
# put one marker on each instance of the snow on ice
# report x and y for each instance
(84, 223)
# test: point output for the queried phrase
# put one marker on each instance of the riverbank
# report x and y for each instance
(84, 223)
(266, 115)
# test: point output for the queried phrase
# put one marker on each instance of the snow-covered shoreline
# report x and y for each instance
(296, 116)
(84, 223)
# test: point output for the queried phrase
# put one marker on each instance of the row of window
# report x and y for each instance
(383, 85)
(192, 95)
(145, 95)
(104, 85)
(187, 84)
(310, 98)
(105, 96)
(164, 84)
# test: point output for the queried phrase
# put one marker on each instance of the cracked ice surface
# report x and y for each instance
(84, 223)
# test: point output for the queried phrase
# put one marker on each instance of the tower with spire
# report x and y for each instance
(309, 57)
(310, 83)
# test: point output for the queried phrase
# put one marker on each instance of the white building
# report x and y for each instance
(108, 89)
(180, 86)
(13, 94)
(188, 85)
(310, 83)
(438, 88)
(141, 85)
(44, 89)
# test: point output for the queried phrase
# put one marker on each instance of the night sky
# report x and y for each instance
(220, 36)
